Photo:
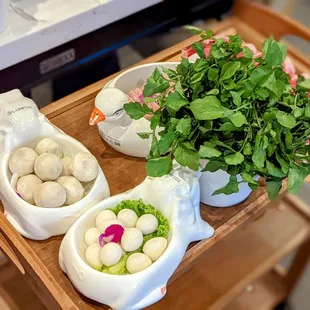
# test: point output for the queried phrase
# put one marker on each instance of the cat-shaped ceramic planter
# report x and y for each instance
(21, 124)
(177, 197)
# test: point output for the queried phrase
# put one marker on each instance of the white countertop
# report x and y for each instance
(36, 26)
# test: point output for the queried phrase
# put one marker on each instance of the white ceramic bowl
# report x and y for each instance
(177, 197)
(21, 124)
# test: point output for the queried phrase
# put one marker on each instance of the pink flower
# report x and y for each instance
(288, 67)
(113, 233)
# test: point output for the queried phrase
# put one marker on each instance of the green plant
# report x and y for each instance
(240, 114)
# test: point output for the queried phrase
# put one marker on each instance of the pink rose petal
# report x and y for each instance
(113, 233)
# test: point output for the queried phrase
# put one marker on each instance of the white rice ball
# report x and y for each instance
(147, 223)
(22, 161)
(110, 254)
(104, 215)
(92, 236)
(128, 217)
(49, 195)
(66, 162)
(137, 262)
(74, 189)
(49, 146)
(26, 185)
(155, 247)
(103, 225)
(92, 255)
(48, 167)
(84, 167)
(132, 239)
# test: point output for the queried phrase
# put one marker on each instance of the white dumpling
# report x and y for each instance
(92, 236)
(49, 195)
(66, 162)
(147, 223)
(84, 167)
(103, 225)
(132, 239)
(22, 161)
(74, 189)
(49, 146)
(26, 185)
(110, 254)
(128, 217)
(155, 247)
(137, 262)
(104, 215)
(92, 255)
(48, 167)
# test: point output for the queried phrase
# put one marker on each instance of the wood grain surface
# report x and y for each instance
(71, 114)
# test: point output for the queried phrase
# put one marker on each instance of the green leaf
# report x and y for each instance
(199, 49)
(230, 188)
(136, 111)
(184, 126)
(155, 119)
(229, 69)
(238, 119)
(305, 85)
(149, 99)
(213, 74)
(228, 127)
(260, 73)
(207, 108)
(144, 135)
(179, 89)
(296, 176)
(175, 101)
(247, 52)
(157, 167)
(274, 171)
(213, 92)
(284, 165)
(236, 98)
(186, 157)
(307, 110)
(154, 151)
(274, 52)
(246, 177)
(171, 73)
(247, 149)
(214, 165)
(155, 84)
(259, 157)
(165, 142)
(273, 188)
(285, 119)
(208, 152)
(193, 29)
(234, 159)
(299, 112)
(288, 140)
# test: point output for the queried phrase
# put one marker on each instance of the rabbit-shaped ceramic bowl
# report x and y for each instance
(115, 126)
(177, 197)
(21, 124)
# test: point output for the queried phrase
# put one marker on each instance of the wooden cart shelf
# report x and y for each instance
(215, 271)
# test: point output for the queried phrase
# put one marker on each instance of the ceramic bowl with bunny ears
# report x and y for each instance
(21, 124)
(176, 196)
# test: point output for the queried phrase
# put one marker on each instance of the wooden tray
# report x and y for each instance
(38, 260)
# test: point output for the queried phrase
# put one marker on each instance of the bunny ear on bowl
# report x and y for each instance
(17, 116)
(176, 197)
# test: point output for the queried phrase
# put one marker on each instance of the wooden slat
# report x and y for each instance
(238, 260)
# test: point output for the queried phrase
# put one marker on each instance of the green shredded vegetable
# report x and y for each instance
(140, 209)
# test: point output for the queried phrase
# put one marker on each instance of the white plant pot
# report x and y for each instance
(211, 181)
(4, 10)
(21, 124)
(177, 197)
